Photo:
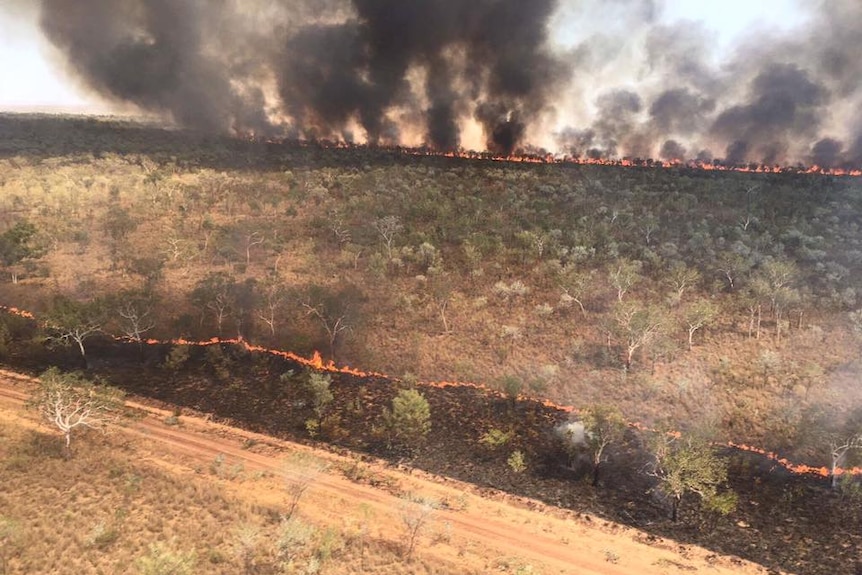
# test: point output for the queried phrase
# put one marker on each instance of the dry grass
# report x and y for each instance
(104, 509)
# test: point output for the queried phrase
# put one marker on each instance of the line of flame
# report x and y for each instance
(527, 158)
(316, 362)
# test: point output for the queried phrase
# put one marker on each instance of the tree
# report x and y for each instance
(840, 436)
(271, 297)
(68, 401)
(16, 245)
(624, 275)
(732, 265)
(696, 316)
(574, 284)
(636, 326)
(688, 465)
(415, 514)
(409, 420)
(300, 472)
(215, 293)
(117, 224)
(293, 535)
(604, 426)
(388, 227)
(512, 386)
(72, 322)
(839, 448)
(334, 312)
(681, 279)
(135, 309)
(774, 282)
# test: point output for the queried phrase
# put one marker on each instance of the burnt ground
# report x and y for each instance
(783, 521)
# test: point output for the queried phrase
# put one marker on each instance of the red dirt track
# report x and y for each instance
(557, 540)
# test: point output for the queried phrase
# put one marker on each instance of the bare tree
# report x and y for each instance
(215, 293)
(72, 322)
(624, 275)
(339, 228)
(636, 326)
(574, 283)
(698, 315)
(415, 514)
(135, 308)
(68, 401)
(300, 472)
(251, 240)
(682, 278)
(839, 449)
(440, 289)
(779, 277)
(272, 297)
(334, 311)
(649, 224)
(388, 227)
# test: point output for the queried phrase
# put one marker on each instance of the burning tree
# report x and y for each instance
(69, 401)
(689, 465)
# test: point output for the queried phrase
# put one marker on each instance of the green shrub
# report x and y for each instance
(495, 438)
(409, 420)
(177, 357)
(517, 462)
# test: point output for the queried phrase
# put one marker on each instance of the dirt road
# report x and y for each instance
(552, 540)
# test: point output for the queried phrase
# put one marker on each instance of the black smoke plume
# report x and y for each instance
(421, 71)
(335, 66)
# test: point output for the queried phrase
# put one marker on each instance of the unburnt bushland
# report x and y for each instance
(718, 298)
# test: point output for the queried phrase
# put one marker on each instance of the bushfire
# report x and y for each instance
(317, 363)
(542, 158)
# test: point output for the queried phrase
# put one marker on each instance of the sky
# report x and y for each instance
(32, 70)
(34, 75)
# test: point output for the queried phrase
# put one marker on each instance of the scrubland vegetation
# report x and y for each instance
(723, 305)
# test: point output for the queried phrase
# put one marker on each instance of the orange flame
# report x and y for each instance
(316, 362)
(535, 158)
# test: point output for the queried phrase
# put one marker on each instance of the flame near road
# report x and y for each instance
(316, 362)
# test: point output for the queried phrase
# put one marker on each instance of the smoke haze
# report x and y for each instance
(432, 72)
